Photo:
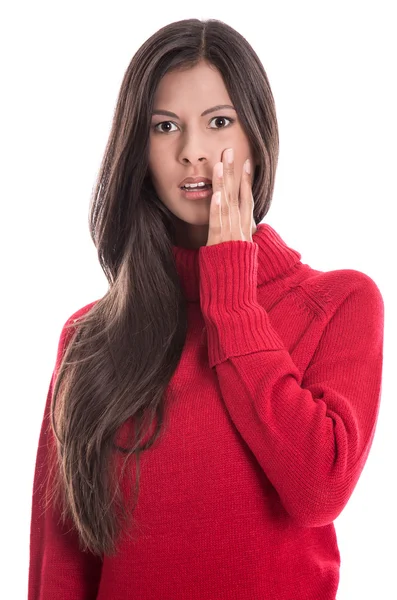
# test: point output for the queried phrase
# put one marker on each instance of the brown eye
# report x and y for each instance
(163, 127)
(220, 121)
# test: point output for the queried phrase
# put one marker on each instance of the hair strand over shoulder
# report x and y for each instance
(112, 382)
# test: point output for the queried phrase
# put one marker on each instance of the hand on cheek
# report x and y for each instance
(232, 204)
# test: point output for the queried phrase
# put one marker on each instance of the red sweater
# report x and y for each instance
(273, 413)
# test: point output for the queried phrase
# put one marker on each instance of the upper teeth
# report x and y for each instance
(193, 185)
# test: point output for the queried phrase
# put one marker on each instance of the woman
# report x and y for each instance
(248, 381)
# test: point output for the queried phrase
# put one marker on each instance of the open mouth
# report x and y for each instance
(202, 192)
(197, 188)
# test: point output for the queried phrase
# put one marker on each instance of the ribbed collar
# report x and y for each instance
(275, 259)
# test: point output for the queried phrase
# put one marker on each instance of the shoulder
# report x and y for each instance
(68, 326)
(67, 333)
(80, 312)
(330, 289)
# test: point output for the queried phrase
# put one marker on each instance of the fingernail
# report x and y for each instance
(229, 155)
(247, 166)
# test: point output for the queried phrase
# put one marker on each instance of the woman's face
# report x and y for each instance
(190, 142)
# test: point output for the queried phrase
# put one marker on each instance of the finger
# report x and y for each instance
(246, 201)
(229, 179)
(217, 178)
(228, 173)
(215, 221)
(231, 205)
(218, 185)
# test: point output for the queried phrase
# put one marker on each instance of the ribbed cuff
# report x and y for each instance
(236, 324)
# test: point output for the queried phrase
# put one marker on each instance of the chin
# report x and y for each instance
(195, 216)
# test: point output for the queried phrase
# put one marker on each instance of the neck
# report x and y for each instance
(275, 259)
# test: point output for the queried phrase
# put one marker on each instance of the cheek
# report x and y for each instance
(243, 151)
(157, 161)
(154, 154)
(154, 167)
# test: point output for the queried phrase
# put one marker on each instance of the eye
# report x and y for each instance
(159, 129)
(222, 119)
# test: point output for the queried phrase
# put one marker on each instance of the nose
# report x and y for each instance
(186, 161)
(193, 150)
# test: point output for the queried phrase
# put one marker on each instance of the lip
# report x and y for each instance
(196, 194)
(195, 180)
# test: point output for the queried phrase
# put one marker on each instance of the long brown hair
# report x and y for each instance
(123, 352)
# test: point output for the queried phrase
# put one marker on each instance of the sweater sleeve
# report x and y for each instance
(57, 567)
(310, 433)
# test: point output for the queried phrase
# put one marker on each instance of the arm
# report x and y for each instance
(311, 435)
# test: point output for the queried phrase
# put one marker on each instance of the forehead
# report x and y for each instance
(190, 87)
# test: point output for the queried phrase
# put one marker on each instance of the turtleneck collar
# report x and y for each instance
(275, 259)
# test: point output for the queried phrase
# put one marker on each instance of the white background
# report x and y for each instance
(332, 69)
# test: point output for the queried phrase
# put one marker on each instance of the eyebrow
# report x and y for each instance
(206, 112)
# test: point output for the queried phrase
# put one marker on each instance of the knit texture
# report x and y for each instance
(270, 417)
